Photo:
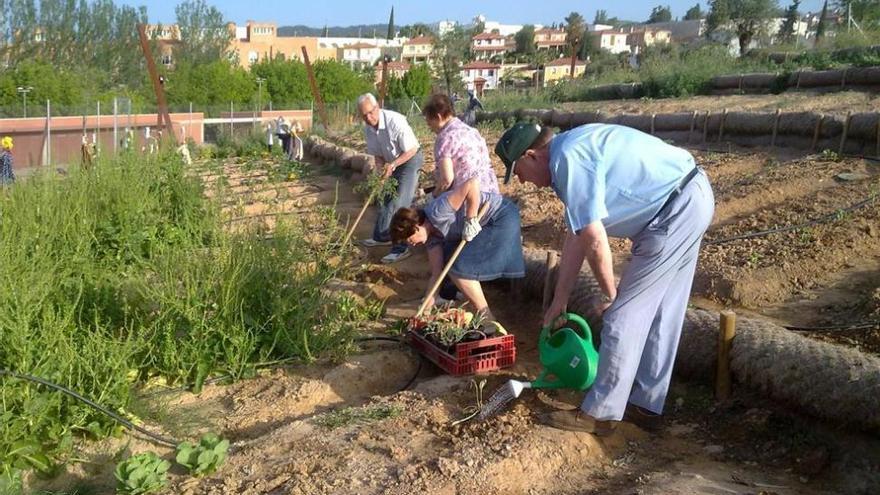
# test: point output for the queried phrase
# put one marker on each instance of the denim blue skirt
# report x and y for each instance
(496, 252)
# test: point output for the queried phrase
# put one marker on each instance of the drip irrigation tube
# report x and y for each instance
(827, 218)
(124, 422)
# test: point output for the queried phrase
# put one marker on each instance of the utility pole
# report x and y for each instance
(260, 81)
(23, 91)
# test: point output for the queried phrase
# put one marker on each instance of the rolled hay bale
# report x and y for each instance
(820, 78)
(560, 119)
(346, 157)
(863, 126)
(863, 76)
(829, 381)
(673, 121)
(749, 124)
(547, 118)
(356, 177)
(725, 82)
(534, 114)
(797, 124)
(636, 121)
(758, 81)
(362, 164)
(582, 118)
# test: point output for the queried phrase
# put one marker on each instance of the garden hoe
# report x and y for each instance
(567, 354)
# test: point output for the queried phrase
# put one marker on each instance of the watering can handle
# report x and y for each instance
(581, 326)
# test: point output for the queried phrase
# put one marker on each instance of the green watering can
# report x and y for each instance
(568, 356)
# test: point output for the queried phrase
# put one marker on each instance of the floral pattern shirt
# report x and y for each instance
(469, 154)
(6, 174)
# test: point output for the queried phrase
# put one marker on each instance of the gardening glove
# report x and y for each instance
(471, 229)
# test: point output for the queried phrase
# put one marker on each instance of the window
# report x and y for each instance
(253, 57)
(491, 72)
(166, 59)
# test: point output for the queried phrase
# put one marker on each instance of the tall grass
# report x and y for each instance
(125, 272)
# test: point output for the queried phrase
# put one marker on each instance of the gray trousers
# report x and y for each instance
(642, 327)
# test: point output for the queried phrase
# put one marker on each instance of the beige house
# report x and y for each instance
(488, 45)
(395, 69)
(641, 38)
(550, 39)
(560, 69)
(417, 50)
(360, 54)
(489, 74)
(613, 41)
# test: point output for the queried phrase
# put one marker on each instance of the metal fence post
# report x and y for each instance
(48, 132)
(115, 124)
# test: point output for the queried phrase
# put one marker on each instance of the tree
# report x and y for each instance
(660, 14)
(417, 29)
(787, 31)
(719, 16)
(601, 17)
(450, 53)
(525, 40)
(204, 37)
(575, 27)
(326, 32)
(750, 17)
(820, 29)
(865, 13)
(694, 13)
(417, 82)
(286, 81)
(391, 24)
(338, 83)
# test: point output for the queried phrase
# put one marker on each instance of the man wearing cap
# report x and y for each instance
(619, 182)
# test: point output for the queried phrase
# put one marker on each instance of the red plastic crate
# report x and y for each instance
(468, 357)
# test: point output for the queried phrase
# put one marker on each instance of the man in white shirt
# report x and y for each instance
(393, 143)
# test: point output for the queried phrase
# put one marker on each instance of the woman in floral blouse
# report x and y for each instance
(460, 152)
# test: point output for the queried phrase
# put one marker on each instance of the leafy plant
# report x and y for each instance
(142, 473)
(449, 326)
(378, 186)
(205, 457)
(357, 415)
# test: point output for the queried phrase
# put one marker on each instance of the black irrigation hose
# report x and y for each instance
(124, 422)
(852, 326)
(832, 216)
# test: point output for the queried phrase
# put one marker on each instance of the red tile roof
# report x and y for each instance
(360, 45)
(488, 36)
(481, 65)
(419, 40)
(564, 62)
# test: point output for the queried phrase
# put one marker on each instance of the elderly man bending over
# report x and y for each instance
(393, 143)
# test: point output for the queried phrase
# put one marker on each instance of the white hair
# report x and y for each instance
(367, 97)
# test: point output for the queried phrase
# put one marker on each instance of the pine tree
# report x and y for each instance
(820, 29)
(391, 24)
(787, 31)
(719, 15)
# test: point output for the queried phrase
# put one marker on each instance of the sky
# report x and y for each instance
(317, 13)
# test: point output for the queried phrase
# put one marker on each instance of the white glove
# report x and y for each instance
(471, 229)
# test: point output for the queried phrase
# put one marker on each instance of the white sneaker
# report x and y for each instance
(370, 242)
(395, 257)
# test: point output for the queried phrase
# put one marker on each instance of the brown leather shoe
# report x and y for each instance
(577, 420)
(644, 418)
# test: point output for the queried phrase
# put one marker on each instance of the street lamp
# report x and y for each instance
(24, 91)
(260, 81)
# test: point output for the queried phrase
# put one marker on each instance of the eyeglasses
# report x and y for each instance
(368, 112)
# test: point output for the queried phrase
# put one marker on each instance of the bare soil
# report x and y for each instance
(748, 445)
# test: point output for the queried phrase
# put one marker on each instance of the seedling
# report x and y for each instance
(142, 473)
(357, 415)
(205, 457)
(448, 326)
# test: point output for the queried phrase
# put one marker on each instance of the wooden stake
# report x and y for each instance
(843, 78)
(162, 113)
(550, 279)
(816, 132)
(877, 150)
(693, 125)
(721, 126)
(384, 88)
(706, 127)
(775, 127)
(726, 333)
(357, 220)
(845, 132)
(315, 92)
(653, 118)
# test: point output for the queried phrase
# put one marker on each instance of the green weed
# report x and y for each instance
(141, 474)
(348, 416)
(205, 457)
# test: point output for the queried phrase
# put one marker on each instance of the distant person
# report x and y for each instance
(7, 176)
(296, 144)
(270, 135)
(470, 115)
(392, 142)
(282, 130)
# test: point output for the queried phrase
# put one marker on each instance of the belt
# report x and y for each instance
(675, 192)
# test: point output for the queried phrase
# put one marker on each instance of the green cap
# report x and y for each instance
(514, 143)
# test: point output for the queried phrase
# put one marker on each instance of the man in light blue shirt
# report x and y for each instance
(620, 182)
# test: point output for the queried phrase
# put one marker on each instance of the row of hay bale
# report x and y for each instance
(847, 77)
(830, 381)
(359, 163)
(857, 133)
